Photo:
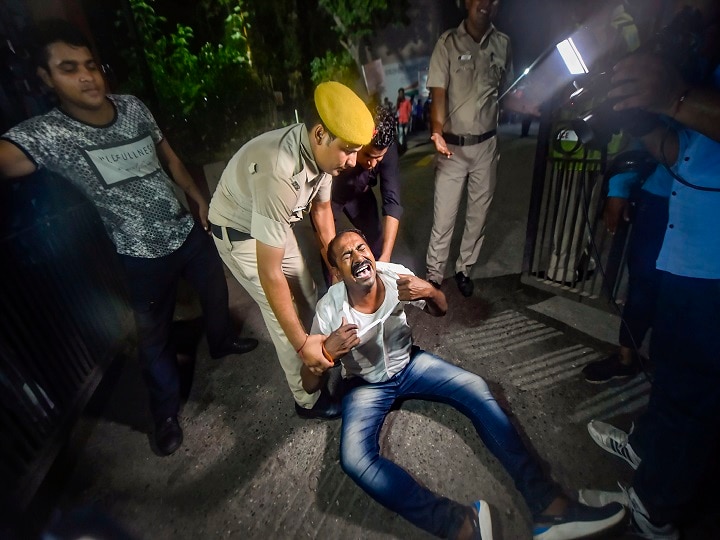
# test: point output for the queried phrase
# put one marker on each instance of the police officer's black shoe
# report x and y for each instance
(325, 408)
(236, 346)
(168, 435)
(465, 284)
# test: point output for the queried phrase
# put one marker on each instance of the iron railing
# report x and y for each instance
(567, 248)
(63, 316)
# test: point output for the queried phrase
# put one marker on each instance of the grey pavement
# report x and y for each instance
(250, 468)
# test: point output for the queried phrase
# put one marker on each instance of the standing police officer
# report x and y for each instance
(467, 68)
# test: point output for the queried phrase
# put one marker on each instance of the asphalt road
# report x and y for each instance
(250, 468)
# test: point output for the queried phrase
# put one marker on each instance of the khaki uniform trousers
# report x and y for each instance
(241, 258)
(475, 165)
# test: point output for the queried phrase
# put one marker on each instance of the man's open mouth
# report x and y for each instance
(361, 270)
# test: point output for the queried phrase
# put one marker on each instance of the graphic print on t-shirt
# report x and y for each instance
(116, 164)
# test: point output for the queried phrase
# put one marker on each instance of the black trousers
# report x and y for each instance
(153, 286)
(677, 438)
(646, 239)
(362, 211)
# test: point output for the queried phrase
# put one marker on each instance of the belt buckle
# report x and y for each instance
(461, 140)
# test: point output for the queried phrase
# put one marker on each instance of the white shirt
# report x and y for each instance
(385, 337)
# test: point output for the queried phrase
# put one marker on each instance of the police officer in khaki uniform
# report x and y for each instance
(263, 191)
(467, 68)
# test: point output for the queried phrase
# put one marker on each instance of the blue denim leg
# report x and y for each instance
(364, 411)
(429, 377)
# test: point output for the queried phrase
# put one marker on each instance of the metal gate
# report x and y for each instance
(63, 315)
(567, 248)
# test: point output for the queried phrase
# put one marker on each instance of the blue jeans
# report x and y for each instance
(152, 284)
(430, 378)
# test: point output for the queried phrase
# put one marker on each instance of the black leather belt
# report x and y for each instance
(233, 234)
(468, 140)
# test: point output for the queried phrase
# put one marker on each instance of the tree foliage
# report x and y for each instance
(334, 67)
(204, 91)
(357, 19)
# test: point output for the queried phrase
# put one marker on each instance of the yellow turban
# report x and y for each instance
(344, 113)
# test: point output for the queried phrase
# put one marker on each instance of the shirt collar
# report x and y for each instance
(463, 32)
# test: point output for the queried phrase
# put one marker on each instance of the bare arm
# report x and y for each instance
(438, 114)
(700, 111)
(390, 189)
(13, 161)
(182, 178)
(615, 212)
(311, 382)
(277, 292)
(646, 82)
(337, 345)
(411, 288)
(390, 230)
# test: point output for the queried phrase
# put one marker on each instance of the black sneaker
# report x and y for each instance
(607, 369)
(168, 435)
(236, 346)
(325, 407)
(578, 521)
(465, 284)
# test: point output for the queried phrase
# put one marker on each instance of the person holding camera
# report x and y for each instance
(674, 443)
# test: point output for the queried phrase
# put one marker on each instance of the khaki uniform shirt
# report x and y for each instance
(268, 184)
(471, 73)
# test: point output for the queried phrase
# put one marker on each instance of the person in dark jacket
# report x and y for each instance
(352, 193)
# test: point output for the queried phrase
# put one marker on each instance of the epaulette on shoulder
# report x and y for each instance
(443, 37)
(502, 35)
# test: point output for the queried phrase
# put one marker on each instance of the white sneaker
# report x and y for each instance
(598, 498)
(643, 527)
(484, 522)
(613, 440)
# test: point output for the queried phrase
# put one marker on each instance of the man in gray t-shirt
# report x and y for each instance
(111, 148)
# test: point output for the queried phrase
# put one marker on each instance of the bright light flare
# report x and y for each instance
(572, 57)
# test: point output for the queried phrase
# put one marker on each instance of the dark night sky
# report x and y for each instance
(533, 26)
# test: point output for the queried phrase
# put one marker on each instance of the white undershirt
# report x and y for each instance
(385, 337)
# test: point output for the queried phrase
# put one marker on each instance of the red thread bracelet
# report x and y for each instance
(301, 346)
